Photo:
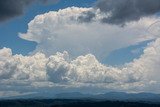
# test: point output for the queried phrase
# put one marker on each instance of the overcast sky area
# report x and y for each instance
(53, 46)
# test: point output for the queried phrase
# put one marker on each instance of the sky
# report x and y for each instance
(53, 46)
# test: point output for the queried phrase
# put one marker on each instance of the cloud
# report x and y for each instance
(56, 68)
(26, 74)
(13, 8)
(62, 31)
(123, 11)
(120, 12)
(21, 67)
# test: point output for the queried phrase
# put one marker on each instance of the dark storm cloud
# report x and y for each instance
(123, 11)
(12, 8)
(127, 10)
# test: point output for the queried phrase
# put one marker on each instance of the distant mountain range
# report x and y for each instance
(118, 96)
(111, 96)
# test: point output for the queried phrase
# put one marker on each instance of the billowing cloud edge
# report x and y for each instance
(85, 71)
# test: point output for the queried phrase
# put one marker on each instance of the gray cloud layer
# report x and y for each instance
(122, 11)
(13, 8)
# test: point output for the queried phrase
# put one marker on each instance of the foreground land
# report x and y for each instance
(73, 103)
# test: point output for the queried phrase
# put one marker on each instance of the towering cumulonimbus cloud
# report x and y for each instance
(63, 31)
(13, 8)
(120, 12)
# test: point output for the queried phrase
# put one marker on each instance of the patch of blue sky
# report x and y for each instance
(125, 55)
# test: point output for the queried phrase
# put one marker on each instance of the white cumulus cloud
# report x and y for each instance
(59, 70)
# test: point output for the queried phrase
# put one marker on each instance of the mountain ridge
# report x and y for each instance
(110, 96)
